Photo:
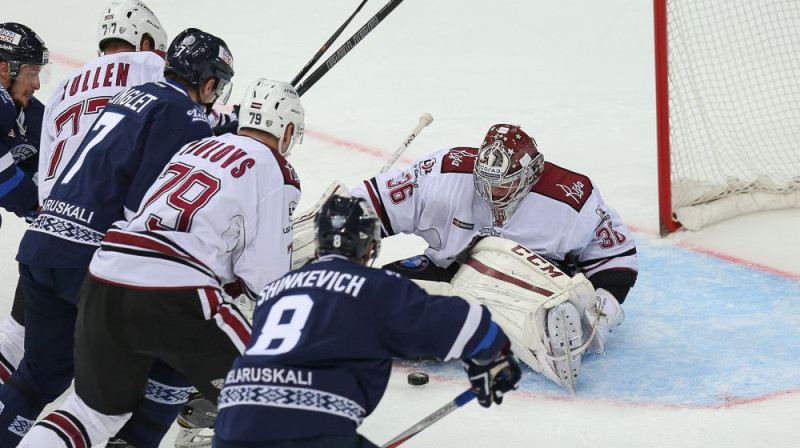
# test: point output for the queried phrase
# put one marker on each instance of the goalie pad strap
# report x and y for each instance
(486, 270)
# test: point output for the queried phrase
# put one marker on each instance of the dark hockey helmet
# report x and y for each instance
(195, 56)
(507, 166)
(349, 227)
(19, 45)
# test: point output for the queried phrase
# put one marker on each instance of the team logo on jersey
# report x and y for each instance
(197, 114)
(414, 263)
(489, 231)
(457, 156)
(604, 217)
(424, 167)
(463, 225)
(575, 192)
(292, 208)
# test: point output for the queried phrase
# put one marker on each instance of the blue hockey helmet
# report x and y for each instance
(20, 45)
(196, 56)
(348, 226)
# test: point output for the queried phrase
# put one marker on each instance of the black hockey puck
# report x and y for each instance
(418, 378)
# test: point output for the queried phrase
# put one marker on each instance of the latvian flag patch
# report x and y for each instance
(256, 106)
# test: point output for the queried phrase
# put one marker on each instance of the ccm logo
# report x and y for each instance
(537, 261)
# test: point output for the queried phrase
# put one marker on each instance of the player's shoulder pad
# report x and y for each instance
(290, 176)
(564, 186)
(459, 160)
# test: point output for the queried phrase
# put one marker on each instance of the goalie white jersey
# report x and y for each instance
(219, 213)
(563, 217)
(76, 103)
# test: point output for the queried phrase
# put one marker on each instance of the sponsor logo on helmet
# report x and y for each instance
(187, 41)
(226, 56)
(290, 91)
(9, 36)
(45, 57)
(143, 6)
(108, 17)
(337, 221)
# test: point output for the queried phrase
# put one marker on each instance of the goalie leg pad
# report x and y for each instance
(539, 307)
(565, 336)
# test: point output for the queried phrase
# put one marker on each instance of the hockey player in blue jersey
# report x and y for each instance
(324, 337)
(129, 144)
(23, 55)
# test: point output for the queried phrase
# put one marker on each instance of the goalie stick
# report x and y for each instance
(424, 120)
(346, 47)
(303, 225)
(326, 45)
(462, 399)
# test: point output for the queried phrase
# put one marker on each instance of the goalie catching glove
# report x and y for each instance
(492, 379)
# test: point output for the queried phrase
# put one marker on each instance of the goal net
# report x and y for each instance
(728, 99)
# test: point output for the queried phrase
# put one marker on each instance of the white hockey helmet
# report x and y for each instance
(270, 106)
(129, 20)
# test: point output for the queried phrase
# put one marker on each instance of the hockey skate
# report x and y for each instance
(196, 422)
(607, 314)
(118, 443)
(565, 336)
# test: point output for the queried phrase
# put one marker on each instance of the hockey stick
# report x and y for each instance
(346, 47)
(304, 223)
(326, 45)
(464, 398)
(424, 120)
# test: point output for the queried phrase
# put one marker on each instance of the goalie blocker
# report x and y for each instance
(550, 317)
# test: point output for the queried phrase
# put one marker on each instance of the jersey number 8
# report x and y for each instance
(282, 329)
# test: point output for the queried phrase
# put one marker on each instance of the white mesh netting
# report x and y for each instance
(734, 98)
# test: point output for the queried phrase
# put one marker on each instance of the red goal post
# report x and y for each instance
(728, 108)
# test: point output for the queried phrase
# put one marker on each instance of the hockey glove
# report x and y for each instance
(492, 379)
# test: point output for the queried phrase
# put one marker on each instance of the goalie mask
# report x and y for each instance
(270, 106)
(348, 226)
(507, 166)
(130, 20)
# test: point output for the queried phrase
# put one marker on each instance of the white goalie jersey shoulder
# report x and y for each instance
(544, 312)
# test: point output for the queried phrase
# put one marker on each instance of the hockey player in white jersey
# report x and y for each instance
(505, 189)
(219, 214)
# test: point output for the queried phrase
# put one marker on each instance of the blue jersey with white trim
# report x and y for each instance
(323, 341)
(19, 149)
(137, 133)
